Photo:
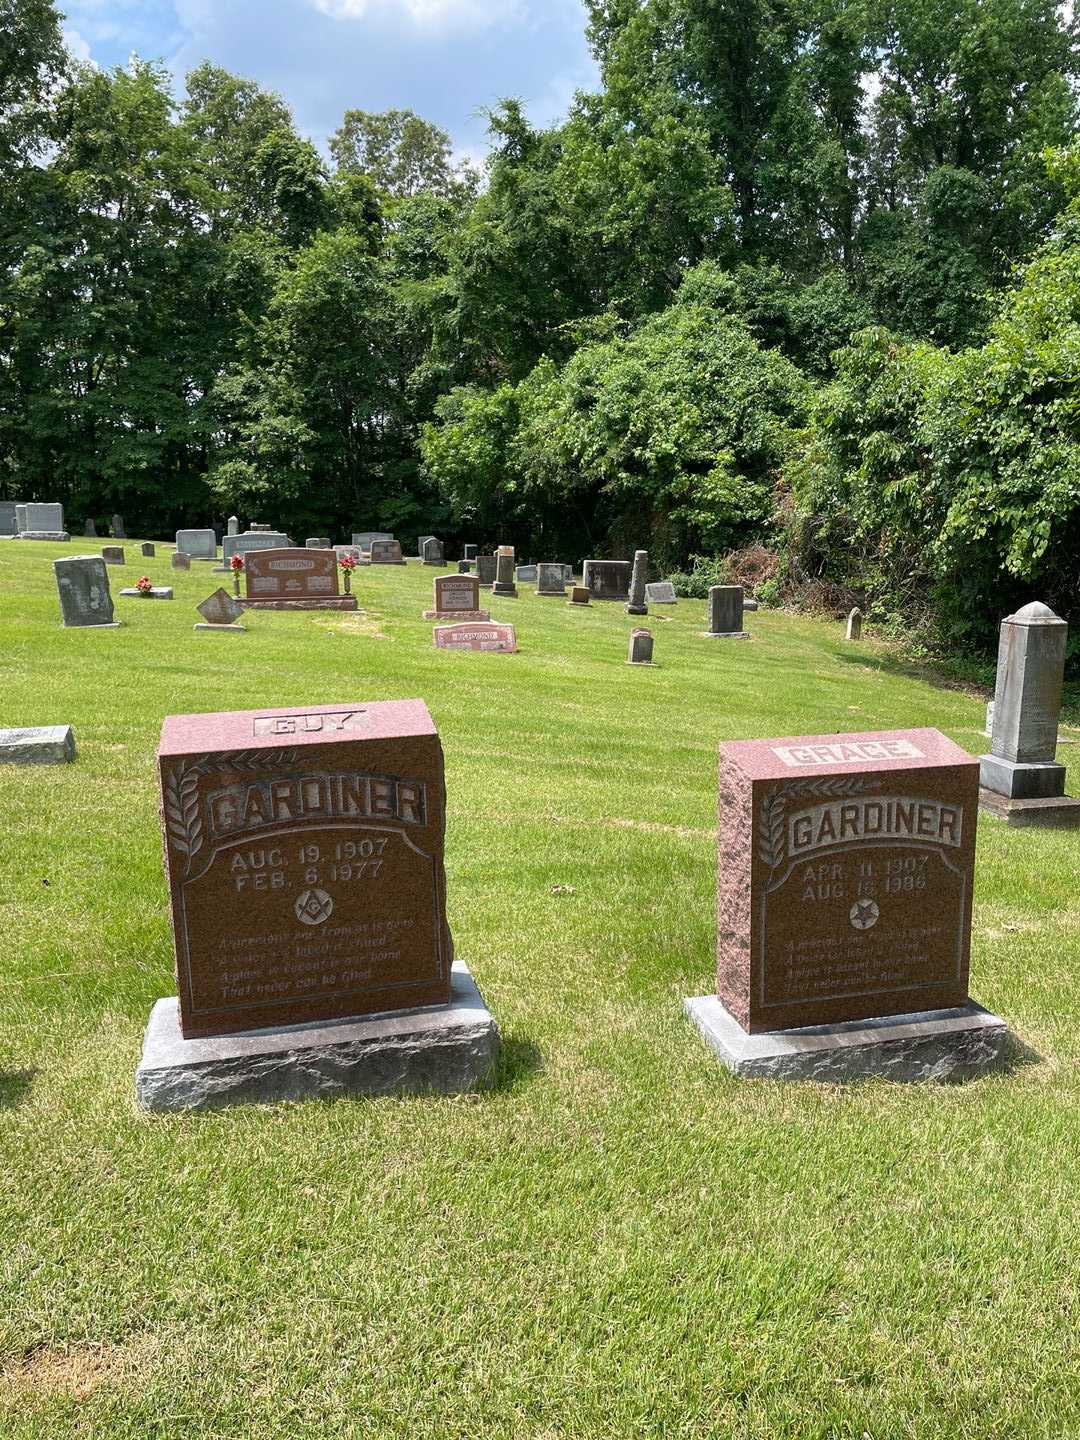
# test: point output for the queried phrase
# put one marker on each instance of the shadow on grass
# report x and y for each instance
(519, 1061)
(915, 670)
(14, 1087)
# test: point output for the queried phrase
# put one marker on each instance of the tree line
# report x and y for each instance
(799, 282)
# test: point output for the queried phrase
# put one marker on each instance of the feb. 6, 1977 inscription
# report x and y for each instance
(848, 894)
(305, 862)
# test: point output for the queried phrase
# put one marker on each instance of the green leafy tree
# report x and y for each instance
(403, 154)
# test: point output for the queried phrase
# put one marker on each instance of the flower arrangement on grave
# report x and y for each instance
(237, 566)
(348, 565)
(144, 585)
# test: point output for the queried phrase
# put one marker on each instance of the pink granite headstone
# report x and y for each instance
(476, 637)
(844, 878)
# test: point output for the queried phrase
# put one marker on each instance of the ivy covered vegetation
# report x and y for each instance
(801, 285)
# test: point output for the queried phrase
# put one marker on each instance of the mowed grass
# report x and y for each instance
(620, 1239)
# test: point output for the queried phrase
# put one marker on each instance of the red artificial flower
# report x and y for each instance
(347, 562)
(144, 583)
(237, 562)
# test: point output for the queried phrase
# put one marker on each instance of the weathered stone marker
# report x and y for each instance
(469, 552)
(40, 521)
(294, 579)
(116, 528)
(113, 554)
(503, 583)
(147, 550)
(156, 592)
(854, 624)
(551, 580)
(38, 745)
(641, 648)
(304, 856)
(432, 552)
(486, 569)
(199, 544)
(264, 539)
(635, 604)
(525, 574)
(364, 539)
(90, 530)
(1021, 779)
(844, 890)
(221, 612)
(457, 597)
(234, 525)
(317, 542)
(579, 595)
(8, 525)
(386, 552)
(85, 600)
(607, 579)
(661, 592)
(726, 613)
(180, 561)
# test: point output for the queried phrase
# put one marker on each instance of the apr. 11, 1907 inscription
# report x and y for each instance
(304, 852)
(845, 877)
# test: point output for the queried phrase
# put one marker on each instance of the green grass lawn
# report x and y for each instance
(620, 1239)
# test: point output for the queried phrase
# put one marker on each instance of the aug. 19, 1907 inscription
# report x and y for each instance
(845, 875)
(304, 852)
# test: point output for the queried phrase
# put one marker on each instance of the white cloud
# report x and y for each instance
(428, 13)
(77, 47)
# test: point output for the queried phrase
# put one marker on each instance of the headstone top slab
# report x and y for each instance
(220, 608)
(1036, 614)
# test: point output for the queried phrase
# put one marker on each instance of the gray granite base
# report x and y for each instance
(725, 635)
(1022, 779)
(38, 745)
(956, 1044)
(443, 1050)
(1059, 812)
(156, 592)
(227, 629)
(42, 535)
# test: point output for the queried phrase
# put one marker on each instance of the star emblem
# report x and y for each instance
(865, 914)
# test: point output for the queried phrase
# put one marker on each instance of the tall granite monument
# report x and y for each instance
(1021, 779)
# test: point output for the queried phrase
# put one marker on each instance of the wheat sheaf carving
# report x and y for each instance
(772, 847)
(183, 817)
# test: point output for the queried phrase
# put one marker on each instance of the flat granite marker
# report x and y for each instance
(844, 890)
(221, 612)
(294, 580)
(85, 600)
(304, 856)
(726, 613)
(661, 592)
(475, 636)
(635, 604)
(1020, 778)
(155, 592)
(607, 579)
(38, 745)
(457, 597)
(503, 584)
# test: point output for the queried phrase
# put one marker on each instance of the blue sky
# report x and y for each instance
(445, 59)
